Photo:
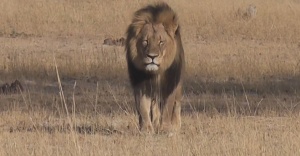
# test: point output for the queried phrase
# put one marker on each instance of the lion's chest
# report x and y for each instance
(157, 87)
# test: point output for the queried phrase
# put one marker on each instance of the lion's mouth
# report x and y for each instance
(152, 66)
(152, 63)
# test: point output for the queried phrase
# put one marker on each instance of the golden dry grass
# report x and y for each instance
(203, 19)
(43, 134)
(241, 90)
(210, 29)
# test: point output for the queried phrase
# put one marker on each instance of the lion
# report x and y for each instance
(155, 61)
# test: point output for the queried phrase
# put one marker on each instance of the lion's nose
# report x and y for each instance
(152, 56)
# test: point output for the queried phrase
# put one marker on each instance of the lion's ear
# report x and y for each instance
(175, 23)
(171, 25)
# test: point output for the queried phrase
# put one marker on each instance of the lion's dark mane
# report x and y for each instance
(172, 76)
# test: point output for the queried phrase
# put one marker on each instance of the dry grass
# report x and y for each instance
(43, 134)
(209, 19)
(241, 91)
(211, 29)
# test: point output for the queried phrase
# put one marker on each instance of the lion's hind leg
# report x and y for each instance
(176, 115)
(155, 115)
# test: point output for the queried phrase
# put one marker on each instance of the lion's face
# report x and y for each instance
(155, 48)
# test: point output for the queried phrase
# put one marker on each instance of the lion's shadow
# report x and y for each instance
(250, 98)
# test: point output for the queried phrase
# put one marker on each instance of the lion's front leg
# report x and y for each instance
(171, 113)
(167, 113)
(144, 107)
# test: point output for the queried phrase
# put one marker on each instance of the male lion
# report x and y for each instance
(155, 59)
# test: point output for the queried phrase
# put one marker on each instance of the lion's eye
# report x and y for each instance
(161, 43)
(145, 43)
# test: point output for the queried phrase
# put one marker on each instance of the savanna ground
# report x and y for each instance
(241, 94)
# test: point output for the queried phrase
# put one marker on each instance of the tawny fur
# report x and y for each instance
(155, 59)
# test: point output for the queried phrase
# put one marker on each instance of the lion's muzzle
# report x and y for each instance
(151, 62)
